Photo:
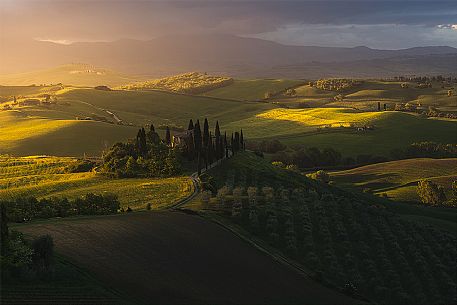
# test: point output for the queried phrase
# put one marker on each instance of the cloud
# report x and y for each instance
(289, 22)
(447, 26)
(379, 36)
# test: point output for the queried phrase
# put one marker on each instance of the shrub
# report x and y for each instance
(321, 176)
(205, 198)
(430, 193)
(80, 166)
(278, 164)
(43, 253)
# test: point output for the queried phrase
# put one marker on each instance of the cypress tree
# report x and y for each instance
(197, 137)
(144, 147)
(232, 146)
(217, 140)
(191, 125)
(190, 142)
(151, 128)
(236, 141)
(141, 142)
(212, 151)
(225, 145)
(168, 136)
(198, 144)
(205, 133)
(222, 148)
(241, 140)
(379, 106)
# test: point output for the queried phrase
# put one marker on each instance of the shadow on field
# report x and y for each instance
(177, 258)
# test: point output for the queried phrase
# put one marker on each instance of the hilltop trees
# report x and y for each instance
(431, 193)
(209, 147)
(336, 84)
(149, 155)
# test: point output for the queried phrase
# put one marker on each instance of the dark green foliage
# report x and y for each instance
(24, 260)
(197, 136)
(431, 193)
(267, 146)
(242, 140)
(167, 136)
(3, 229)
(43, 253)
(26, 209)
(426, 150)
(360, 247)
(309, 157)
(217, 140)
(148, 157)
(80, 166)
(236, 141)
(140, 143)
(205, 133)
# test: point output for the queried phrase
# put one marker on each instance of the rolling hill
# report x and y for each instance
(69, 74)
(398, 179)
(229, 55)
(80, 111)
(41, 176)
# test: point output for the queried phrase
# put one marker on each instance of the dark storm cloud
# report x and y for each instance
(88, 20)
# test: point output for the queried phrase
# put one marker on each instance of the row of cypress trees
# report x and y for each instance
(209, 148)
(204, 146)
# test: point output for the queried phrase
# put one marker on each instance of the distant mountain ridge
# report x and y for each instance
(221, 54)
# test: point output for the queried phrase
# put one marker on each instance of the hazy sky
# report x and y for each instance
(377, 24)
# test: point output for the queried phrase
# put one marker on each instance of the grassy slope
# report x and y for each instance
(393, 130)
(399, 178)
(45, 176)
(252, 89)
(258, 120)
(270, 175)
(72, 74)
(21, 134)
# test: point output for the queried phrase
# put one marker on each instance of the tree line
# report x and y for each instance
(151, 156)
(24, 209)
(311, 157)
(22, 259)
(206, 147)
(352, 245)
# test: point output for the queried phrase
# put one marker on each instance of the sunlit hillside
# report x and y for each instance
(398, 179)
(25, 134)
(190, 83)
(49, 176)
(253, 89)
(115, 115)
(71, 74)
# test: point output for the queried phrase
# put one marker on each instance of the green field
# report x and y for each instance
(393, 130)
(398, 179)
(25, 133)
(46, 176)
(57, 129)
(369, 93)
(249, 90)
